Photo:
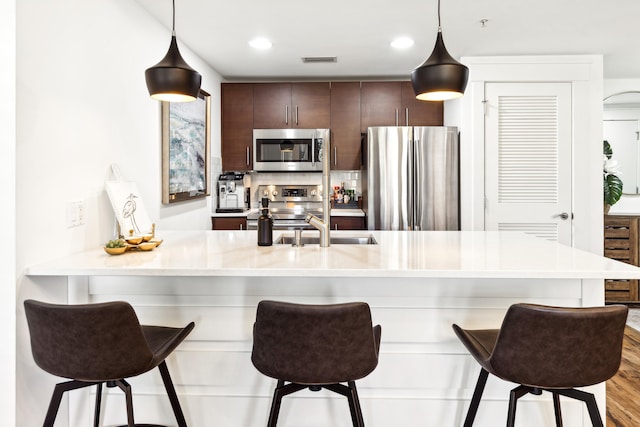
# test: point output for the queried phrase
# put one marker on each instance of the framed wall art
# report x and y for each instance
(186, 144)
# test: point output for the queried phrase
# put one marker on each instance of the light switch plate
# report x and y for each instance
(75, 213)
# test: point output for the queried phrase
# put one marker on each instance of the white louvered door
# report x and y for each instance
(528, 159)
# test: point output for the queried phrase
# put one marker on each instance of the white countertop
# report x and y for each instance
(429, 254)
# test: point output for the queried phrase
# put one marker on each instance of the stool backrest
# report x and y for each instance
(90, 342)
(556, 347)
(315, 344)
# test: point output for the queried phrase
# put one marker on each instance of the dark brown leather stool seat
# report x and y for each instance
(315, 346)
(551, 349)
(94, 344)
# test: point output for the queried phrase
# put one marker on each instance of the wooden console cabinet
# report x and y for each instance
(621, 243)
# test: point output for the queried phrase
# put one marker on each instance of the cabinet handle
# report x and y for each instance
(406, 116)
(563, 216)
(335, 156)
(296, 115)
(286, 114)
(248, 159)
(397, 117)
(241, 227)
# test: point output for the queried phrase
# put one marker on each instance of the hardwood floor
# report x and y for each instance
(623, 406)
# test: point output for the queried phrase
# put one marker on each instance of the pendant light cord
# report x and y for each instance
(173, 24)
(439, 26)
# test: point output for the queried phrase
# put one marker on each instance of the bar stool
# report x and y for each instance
(93, 344)
(315, 347)
(551, 349)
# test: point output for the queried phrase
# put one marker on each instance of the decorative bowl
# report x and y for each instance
(133, 240)
(156, 241)
(115, 251)
(146, 246)
(146, 237)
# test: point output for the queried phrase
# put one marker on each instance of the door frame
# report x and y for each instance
(585, 73)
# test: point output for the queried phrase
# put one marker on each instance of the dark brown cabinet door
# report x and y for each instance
(346, 150)
(237, 126)
(310, 105)
(347, 223)
(395, 104)
(228, 223)
(380, 103)
(291, 105)
(271, 105)
(419, 113)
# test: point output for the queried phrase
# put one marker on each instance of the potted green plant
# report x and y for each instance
(612, 182)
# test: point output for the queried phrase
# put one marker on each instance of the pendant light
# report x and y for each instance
(172, 79)
(440, 77)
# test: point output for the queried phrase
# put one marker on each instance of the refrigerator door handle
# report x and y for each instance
(416, 184)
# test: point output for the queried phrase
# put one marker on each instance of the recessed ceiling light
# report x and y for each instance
(260, 43)
(402, 43)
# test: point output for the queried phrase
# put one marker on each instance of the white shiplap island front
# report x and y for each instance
(417, 284)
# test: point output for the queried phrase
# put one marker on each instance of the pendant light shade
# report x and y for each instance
(172, 79)
(440, 77)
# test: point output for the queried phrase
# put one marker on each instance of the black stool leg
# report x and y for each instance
(515, 394)
(556, 409)
(351, 393)
(475, 400)
(96, 416)
(356, 412)
(281, 391)
(590, 401)
(173, 396)
(126, 388)
(56, 398)
(275, 405)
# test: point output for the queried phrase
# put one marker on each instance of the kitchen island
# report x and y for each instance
(417, 284)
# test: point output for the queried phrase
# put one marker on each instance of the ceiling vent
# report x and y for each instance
(318, 59)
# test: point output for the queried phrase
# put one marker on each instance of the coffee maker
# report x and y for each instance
(232, 195)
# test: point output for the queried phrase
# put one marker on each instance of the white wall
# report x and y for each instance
(82, 104)
(7, 213)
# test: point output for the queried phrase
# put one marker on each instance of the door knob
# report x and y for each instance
(562, 215)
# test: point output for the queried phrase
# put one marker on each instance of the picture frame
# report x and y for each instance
(186, 148)
(129, 208)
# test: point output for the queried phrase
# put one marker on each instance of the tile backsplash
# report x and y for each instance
(351, 180)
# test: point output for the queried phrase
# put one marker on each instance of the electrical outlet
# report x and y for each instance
(75, 213)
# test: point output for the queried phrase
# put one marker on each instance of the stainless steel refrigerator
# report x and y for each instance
(411, 178)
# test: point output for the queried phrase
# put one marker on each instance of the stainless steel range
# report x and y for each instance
(289, 205)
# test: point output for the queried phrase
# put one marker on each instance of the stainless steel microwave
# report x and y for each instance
(288, 150)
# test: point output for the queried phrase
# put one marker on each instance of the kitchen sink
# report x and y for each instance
(333, 240)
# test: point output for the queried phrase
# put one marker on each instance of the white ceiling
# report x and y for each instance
(358, 32)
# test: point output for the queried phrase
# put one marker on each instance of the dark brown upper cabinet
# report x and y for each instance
(419, 113)
(291, 105)
(394, 104)
(237, 126)
(346, 146)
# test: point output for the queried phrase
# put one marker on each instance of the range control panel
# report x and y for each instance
(291, 193)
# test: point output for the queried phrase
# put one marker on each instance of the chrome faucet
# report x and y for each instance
(323, 225)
